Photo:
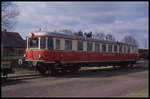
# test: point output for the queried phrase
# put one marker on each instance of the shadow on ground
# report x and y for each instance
(106, 72)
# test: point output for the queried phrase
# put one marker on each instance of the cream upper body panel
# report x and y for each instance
(74, 40)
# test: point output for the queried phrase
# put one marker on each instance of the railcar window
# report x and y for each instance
(42, 43)
(120, 48)
(50, 43)
(115, 48)
(89, 46)
(97, 47)
(128, 49)
(131, 49)
(33, 42)
(68, 44)
(103, 48)
(110, 48)
(57, 44)
(125, 49)
(134, 49)
(80, 45)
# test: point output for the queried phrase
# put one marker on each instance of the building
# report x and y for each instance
(143, 53)
(12, 44)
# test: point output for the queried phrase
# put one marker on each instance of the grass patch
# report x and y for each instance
(9, 58)
(5, 65)
(21, 69)
(6, 61)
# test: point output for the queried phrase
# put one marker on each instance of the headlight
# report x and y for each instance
(39, 56)
(24, 55)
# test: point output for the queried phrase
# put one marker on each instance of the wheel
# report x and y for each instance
(131, 65)
(54, 72)
(34, 63)
(123, 66)
(114, 67)
(42, 69)
(75, 68)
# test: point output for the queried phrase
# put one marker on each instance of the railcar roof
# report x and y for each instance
(57, 34)
(144, 48)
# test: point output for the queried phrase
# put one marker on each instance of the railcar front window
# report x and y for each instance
(42, 43)
(33, 42)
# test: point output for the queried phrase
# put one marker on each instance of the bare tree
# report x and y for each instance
(100, 36)
(79, 33)
(110, 37)
(9, 13)
(66, 31)
(55, 31)
(89, 35)
(96, 35)
(130, 40)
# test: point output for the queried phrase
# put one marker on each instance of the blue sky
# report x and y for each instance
(116, 18)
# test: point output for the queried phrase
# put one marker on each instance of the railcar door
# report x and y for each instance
(58, 52)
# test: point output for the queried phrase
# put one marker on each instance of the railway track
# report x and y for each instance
(21, 77)
(35, 75)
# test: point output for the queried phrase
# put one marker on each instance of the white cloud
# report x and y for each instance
(118, 18)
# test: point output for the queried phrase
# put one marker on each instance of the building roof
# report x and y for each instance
(12, 39)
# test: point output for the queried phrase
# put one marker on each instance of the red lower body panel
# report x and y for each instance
(52, 56)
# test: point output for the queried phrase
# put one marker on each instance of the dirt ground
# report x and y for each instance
(97, 82)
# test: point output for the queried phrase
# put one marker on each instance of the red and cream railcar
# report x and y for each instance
(60, 52)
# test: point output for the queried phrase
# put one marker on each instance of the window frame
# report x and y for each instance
(97, 47)
(115, 48)
(43, 38)
(128, 49)
(104, 49)
(52, 44)
(66, 46)
(110, 48)
(57, 44)
(90, 48)
(78, 47)
(29, 43)
(120, 49)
